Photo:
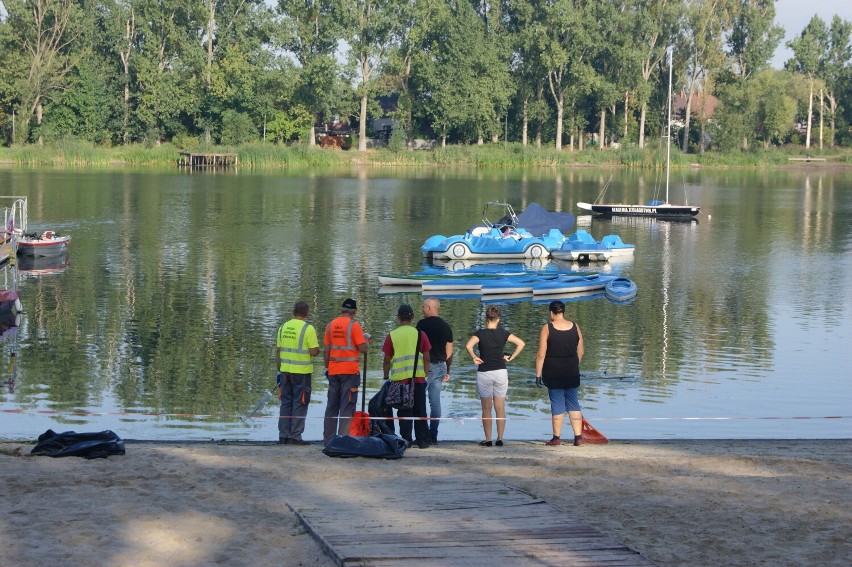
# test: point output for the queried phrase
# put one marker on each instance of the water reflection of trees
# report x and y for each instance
(178, 283)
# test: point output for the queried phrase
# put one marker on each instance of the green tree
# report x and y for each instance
(615, 60)
(656, 24)
(707, 23)
(465, 80)
(405, 59)
(310, 30)
(374, 29)
(44, 33)
(760, 109)
(835, 66)
(808, 49)
(754, 37)
(566, 36)
(169, 82)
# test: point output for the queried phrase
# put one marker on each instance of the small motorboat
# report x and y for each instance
(620, 289)
(47, 243)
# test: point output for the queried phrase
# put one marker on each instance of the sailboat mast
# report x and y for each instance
(669, 124)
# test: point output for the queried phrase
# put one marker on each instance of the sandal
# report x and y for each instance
(485, 443)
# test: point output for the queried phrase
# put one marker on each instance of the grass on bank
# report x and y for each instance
(270, 156)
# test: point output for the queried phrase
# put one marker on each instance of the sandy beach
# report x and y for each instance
(707, 502)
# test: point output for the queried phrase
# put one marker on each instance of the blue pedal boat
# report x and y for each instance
(533, 234)
(620, 289)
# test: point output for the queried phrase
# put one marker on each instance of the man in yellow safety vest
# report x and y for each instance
(400, 348)
(297, 342)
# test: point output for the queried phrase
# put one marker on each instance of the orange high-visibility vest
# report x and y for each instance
(343, 335)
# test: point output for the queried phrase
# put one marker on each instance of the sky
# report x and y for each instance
(794, 15)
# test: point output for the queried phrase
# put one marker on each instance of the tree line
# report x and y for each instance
(565, 73)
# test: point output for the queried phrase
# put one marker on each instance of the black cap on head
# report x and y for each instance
(349, 303)
(405, 312)
(557, 307)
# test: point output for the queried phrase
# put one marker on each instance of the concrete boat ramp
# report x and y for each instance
(468, 521)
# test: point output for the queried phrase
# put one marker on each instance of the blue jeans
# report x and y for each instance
(434, 383)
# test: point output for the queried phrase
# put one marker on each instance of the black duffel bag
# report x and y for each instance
(376, 447)
(70, 444)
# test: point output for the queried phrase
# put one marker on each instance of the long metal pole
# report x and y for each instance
(669, 133)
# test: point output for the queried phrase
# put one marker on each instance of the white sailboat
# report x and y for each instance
(658, 209)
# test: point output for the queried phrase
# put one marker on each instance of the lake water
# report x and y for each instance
(162, 323)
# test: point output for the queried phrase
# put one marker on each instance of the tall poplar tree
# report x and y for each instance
(808, 50)
(310, 30)
(836, 64)
(567, 37)
(374, 28)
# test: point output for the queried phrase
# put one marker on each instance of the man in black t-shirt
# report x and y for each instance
(441, 337)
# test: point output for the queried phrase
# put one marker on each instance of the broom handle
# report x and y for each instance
(364, 384)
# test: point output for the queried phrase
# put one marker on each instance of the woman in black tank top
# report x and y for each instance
(557, 364)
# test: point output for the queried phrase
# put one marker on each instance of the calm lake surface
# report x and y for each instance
(162, 324)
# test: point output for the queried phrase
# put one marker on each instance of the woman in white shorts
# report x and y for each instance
(492, 378)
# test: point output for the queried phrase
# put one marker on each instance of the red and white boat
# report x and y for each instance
(47, 243)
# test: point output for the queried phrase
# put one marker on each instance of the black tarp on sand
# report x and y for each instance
(70, 444)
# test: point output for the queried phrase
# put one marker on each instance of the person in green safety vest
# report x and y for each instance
(399, 364)
(296, 344)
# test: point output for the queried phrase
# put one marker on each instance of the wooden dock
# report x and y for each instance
(201, 160)
(448, 521)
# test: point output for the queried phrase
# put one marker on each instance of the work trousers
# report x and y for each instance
(295, 399)
(421, 427)
(342, 398)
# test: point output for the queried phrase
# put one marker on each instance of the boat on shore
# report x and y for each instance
(46, 244)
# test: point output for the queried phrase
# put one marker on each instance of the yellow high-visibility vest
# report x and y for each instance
(294, 354)
(404, 340)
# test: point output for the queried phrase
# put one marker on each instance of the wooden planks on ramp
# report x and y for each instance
(445, 521)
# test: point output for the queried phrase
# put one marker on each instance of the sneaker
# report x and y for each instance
(485, 443)
(299, 442)
(578, 440)
(499, 443)
(283, 441)
(422, 444)
(554, 442)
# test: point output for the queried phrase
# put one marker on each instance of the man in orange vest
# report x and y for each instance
(344, 340)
